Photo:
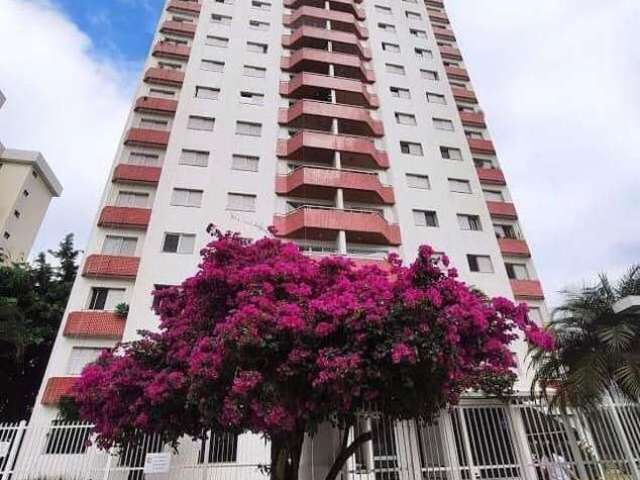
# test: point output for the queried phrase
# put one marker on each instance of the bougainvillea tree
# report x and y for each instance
(265, 339)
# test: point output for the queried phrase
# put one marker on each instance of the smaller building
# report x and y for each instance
(27, 185)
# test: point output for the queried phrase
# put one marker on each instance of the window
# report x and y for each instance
(16, 213)
(480, 263)
(469, 222)
(412, 15)
(473, 134)
(517, 271)
(105, 298)
(160, 92)
(443, 124)
(425, 218)
(213, 41)
(411, 148)
(457, 185)
(212, 66)
(257, 72)
(405, 119)
(261, 5)
(258, 25)
(195, 158)
(449, 153)
(383, 10)
(178, 243)
(400, 92)
(132, 199)
(257, 47)
(252, 98)
(170, 66)
(390, 47)
(423, 53)
(226, 2)
(6, 235)
(80, 357)
(429, 74)
(220, 19)
(249, 128)
(436, 98)
(506, 231)
(200, 123)
(242, 202)
(391, 68)
(418, 181)
(116, 245)
(153, 123)
(140, 158)
(25, 193)
(207, 93)
(493, 195)
(245, 163)
(387, 27)
(418, 33)
(184, 197)
(219, 447)
(535, 315)
(63, 439)
(483, 163)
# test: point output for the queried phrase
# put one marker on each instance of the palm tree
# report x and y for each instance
(597, 350)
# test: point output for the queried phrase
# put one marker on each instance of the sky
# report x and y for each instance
(558, 81)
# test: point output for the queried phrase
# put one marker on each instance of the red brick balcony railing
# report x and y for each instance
(502, 210)
(164, 76)
(479, 145)
(183, 6)
(304, 34)
(171, 50)
(125, 217)
(527, 289)
(443, 33)
(318, 182)
(304, 112)
(473, 119)
(348, 6)
(159, 106)
(184, 29)
(457, 73)
(493, 176)
(94, 324)
(514, 247)
(438, 17)
(451, 53)
(111, 266)
(348, 20)
(305, 84)
(300, 58)
(136, 174)
(57, 387)
(311, 222)
(358, 149)
(464, 95)
(145, 137)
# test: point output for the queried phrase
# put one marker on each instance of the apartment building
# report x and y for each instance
(350, 125)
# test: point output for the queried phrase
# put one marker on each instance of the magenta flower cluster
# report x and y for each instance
(265, 339)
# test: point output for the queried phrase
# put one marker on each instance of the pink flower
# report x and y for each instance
(401, 353)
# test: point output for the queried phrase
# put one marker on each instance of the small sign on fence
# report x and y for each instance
(155, 463)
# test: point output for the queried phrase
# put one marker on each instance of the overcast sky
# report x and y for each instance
(559, 81)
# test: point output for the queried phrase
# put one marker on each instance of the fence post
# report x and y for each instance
(10, 464)
(624, 441)
(573, 444)
(520, 441)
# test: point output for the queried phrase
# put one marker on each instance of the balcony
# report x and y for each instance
(347, 6)
(493, 176)
(356, 152)
(164, 76)
(502, 210)
(125, 217)
(136, 174)
(464, 95)
(314, 60)
(434, 3)
(57, 387)
(451, 53)
(111, 266)
(316, 115)
(343, 21)
(184, 6)
(479, 145)
(171, 50)
(438, 17)
(324, 223)
(159, 106)
(349, 92)
(145, 137)
(313, 37)
(94, 324)
(183, 29)
(443, 33)
(318, 182)
(457, 73)
(513, 247)
(473, 119)
(527, 289)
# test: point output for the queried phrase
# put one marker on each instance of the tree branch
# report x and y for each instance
(345, 453)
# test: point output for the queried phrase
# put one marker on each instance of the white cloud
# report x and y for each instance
(64, 101)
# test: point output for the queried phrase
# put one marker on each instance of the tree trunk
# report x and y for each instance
(285, 457)
(346, 451)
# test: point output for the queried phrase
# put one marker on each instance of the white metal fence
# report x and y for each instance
(479, 439)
